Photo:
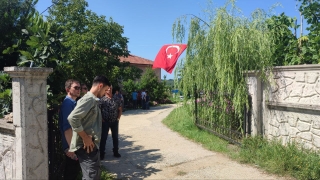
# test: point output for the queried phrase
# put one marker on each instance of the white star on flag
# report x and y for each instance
(169, 56)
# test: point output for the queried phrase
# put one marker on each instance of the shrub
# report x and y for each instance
(291, 159)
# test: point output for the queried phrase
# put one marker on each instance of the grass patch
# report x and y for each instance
(106, 175)
(278, 159)
(180, 120)
(289, 160)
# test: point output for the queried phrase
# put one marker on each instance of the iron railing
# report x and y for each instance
(56, 154)
(232, 129)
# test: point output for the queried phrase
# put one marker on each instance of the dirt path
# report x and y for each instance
(152, 151)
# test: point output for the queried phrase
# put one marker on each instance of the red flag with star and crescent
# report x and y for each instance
(168, 56)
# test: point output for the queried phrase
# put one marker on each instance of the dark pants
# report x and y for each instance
(90, 164)
(72, 168)
(114, 126)
(143, 104)
(139, 103)
(134, 104)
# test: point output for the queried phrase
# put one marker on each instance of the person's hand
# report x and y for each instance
(70, 154)
(88, 144)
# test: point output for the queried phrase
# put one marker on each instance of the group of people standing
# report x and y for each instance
(140, 99)
(85, 118)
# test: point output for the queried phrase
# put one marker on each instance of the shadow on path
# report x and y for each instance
(134, 161)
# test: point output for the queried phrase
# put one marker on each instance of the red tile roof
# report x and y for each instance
(136, 60)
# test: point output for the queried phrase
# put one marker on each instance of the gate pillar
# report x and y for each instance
(29, 98)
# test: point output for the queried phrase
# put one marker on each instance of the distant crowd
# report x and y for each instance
(141, 99)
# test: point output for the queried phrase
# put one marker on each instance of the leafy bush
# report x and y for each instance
(149, 82)
(5, 94)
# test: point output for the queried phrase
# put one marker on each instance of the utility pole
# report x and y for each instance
(301, 25)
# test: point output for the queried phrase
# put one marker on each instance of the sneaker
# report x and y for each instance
(116, 154)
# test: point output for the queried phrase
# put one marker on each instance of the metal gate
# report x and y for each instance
(230, 128)
(56, 154)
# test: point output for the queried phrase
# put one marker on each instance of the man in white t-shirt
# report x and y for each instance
(143, 95)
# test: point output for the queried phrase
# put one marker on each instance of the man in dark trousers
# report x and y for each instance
(72, 167)
(86, 121)
(111, 109)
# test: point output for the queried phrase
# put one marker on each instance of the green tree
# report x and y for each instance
(306, 49)
(95, 43)
(310, 10)
(41, 46)
(14, 16)
(129, 86)
(149, 82)
(5, 94)
(282, 37)
(219, 55)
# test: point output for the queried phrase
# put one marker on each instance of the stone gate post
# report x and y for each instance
(254, 84)
(29, 94)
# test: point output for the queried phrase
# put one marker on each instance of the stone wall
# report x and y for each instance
(287, 106)
(24, 143)
(7, 148)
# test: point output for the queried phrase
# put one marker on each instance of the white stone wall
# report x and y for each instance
(290, 106)
(27, 156)
(7, 149)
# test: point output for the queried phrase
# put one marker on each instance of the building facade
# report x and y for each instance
(141, 63)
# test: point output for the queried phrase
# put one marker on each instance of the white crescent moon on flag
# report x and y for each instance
(173, 46)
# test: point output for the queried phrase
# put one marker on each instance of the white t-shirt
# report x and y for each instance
(143, 94)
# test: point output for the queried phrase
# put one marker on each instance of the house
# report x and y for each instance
(141, 63)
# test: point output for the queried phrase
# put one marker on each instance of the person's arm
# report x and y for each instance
(79, 112)
(119, 110)
(67, 108)
(68, 136)
(66, 128)
(104, 111)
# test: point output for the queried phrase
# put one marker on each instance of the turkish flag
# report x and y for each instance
(168, 56)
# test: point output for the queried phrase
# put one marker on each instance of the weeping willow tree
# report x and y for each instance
(218, 56)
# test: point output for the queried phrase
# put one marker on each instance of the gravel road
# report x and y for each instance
(152, 151)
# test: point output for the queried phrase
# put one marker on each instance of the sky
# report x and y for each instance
(148, 23)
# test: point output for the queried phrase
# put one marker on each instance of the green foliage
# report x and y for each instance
(76, 43)
(5, 94)
(150, 82)
(218, 56)
(181, 121)
(282, 37)
(106, 175)
(41, 44)
(169, 84)
(310, 11)
(13, 17)
(306, 49)
(95, 43)
(276, 158)
(129, 86)
(272, 156)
